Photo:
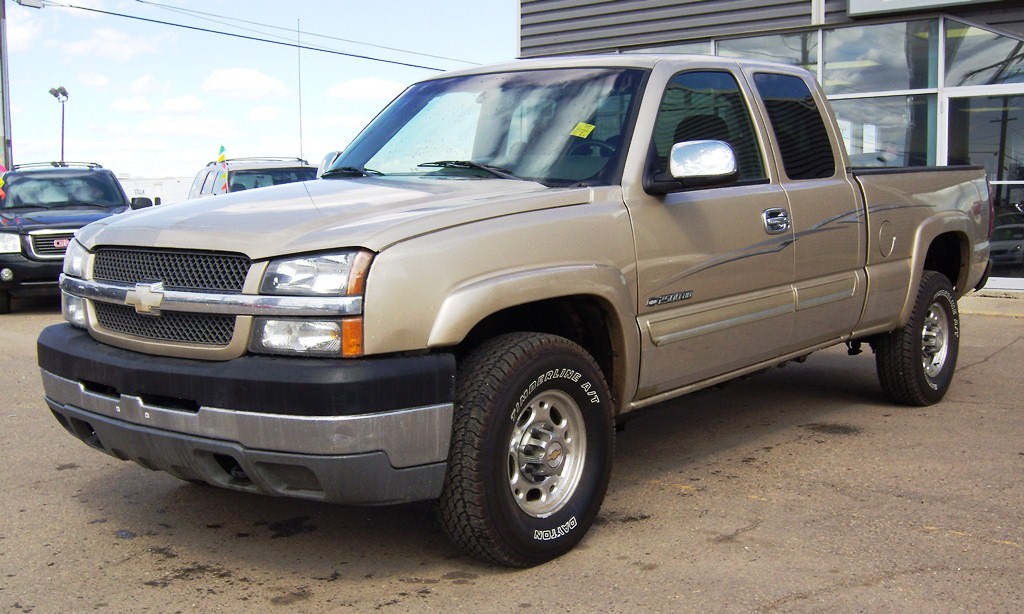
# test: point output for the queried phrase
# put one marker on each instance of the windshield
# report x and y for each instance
(558, 127)
(65, 189)
(258, 178)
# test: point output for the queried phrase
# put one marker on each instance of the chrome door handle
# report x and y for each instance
(776, 221)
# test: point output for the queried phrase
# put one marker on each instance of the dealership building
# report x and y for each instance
(912, 82)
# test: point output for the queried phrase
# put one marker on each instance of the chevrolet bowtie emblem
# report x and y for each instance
(146, 298)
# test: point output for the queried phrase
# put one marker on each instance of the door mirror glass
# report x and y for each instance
(702, 163)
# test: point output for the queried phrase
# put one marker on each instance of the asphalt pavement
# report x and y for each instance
(801, 489)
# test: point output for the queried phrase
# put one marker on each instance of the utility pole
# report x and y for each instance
(6, 156)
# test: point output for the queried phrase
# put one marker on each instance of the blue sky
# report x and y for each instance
(153, 100)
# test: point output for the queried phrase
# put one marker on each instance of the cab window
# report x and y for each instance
(707, 105)
(797, 125)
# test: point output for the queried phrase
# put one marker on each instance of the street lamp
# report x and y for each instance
(61, 95)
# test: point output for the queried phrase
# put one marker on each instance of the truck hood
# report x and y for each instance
(370, 212)
(32, 219)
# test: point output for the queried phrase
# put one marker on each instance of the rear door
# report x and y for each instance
(825, 207)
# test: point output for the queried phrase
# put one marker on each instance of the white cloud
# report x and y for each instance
(244, 83)
(147, 84)
(22, 30)
(368, 88)
(93, 79)
(191, 126)
(135, 104)
(182, 104)
(348, 123)
(110, 44)
(265, 113)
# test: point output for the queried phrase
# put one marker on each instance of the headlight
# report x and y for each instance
(308, 337)
(318, 275)
(74, 259)
(339, 274)
(73, 309)
(10, 243)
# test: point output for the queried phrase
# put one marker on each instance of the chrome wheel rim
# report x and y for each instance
(546, 453)
(934, 340)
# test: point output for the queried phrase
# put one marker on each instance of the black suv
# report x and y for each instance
(41, 207)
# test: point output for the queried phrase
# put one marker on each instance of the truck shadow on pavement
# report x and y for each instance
(199, 534)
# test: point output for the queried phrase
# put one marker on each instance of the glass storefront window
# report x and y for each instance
(892, 56)
(978, 57)
(984, 130)
(796, 49)
(889, 130)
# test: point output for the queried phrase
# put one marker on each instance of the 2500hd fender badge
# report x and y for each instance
(654, 301)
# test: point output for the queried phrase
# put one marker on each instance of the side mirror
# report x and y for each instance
(327, 162)
(696, 164)
(141, 202)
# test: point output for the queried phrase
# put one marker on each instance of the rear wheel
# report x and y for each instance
(915, 363)
(531, 449)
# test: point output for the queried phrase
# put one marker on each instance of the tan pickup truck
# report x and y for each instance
(503, 264)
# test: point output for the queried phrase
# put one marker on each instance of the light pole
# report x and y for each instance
(61, 95)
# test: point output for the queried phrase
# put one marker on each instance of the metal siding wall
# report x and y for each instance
(553, 27)
(1009, 19)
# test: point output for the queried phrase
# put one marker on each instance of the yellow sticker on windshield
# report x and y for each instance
(582, 130)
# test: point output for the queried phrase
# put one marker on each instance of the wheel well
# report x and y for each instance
(946, 255)
(584, 320)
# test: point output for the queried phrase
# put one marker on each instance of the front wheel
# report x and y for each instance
(531, 449)
(915, 363)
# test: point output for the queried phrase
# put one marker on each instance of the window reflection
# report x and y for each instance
(894, 56)
(986, 130)
(888, 131)
(979, 57)
(702, 48)
(796, 49)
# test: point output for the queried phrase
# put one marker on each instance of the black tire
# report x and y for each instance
(5, 302)
(916, 363)
(531, 449)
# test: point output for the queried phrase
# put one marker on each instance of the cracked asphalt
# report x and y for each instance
(798, 490)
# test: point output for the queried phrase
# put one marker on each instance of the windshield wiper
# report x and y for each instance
(494, 170)
(350, 171)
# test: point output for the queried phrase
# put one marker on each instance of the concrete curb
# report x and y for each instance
(1005, 303)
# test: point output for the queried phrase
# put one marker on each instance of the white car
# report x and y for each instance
(237, 174)
(1007, 245)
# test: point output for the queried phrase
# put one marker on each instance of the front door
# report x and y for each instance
(714, 277)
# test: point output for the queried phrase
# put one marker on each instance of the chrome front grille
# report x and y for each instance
(176, 326)
(178, 270)
(50, 245)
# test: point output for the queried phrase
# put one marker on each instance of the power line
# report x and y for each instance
(244, 37)
(193, 12)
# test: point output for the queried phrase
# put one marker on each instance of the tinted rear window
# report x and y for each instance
(798, 127)
(249, 179)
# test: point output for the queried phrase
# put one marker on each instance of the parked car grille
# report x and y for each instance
(198, 328)
(51, 245)
(178, 270)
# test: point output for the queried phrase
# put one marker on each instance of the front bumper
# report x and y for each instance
(371, 431)
(30, 276)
